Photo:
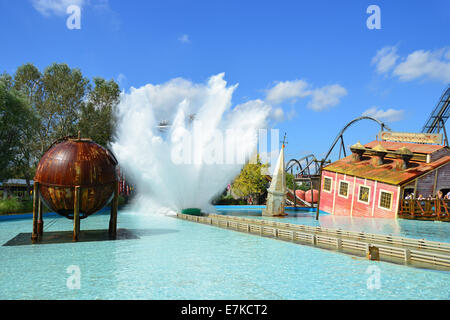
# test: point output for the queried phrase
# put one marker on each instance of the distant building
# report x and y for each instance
(15, 187)
(372, 181)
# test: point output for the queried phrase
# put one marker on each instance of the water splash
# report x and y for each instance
(181, 143)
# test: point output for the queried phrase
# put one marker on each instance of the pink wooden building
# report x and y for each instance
(372, 181)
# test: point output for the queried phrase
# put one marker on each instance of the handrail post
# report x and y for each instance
(437, 207)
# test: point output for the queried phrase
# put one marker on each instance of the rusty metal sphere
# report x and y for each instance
(72, 162)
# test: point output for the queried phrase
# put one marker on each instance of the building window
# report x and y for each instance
(343, 189)
(364, 193)
(327, 184)
(385, 200)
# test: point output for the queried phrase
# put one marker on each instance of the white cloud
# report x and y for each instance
(321, 98)
(55, 7)
(429, 65)
(277, 114)
(286, 90)
(184, 38)
(390, 115)
(385, 59)
(327, 96)
(432, 65)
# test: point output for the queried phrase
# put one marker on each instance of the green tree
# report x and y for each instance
(28, 81)
(97, 120)
(290, 181)
(6, 80)
(64, 91)
(305, 186)
(16, 121)
(251, 181)
(40, 107)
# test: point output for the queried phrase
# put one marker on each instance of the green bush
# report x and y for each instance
(27, 206)
(121, 200)
(229, 200)
(11, 205)
(15, 205)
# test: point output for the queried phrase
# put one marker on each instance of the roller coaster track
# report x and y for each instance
(306, 168)
(310, 160)
(435, 122)
(309, 166)
(340, 135)
(439, 116)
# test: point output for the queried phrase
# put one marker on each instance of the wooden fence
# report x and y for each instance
(435, 209)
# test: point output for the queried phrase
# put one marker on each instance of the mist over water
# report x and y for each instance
(191, 160)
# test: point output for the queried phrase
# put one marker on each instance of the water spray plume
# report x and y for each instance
(181, 143)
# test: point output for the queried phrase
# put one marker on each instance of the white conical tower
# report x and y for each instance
(276, 194)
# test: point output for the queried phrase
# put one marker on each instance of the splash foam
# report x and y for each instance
(191, 160)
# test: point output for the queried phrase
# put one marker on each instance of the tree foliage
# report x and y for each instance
(36, 108)
(251, 181)
(97, 119)
(17, 122)
(289, 180)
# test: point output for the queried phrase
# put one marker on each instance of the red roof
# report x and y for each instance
(387, 172)
(414, 147)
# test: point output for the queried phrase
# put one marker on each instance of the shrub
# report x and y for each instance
(11, 205)
(122, 200)
(229, 200)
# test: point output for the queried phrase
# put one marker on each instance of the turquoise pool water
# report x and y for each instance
(178, 259)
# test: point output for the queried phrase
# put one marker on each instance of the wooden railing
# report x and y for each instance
(435, 209)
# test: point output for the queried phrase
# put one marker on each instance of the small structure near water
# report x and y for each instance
(276, 194)
(389, 179)
(75, 178)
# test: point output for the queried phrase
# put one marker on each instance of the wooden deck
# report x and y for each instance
(432, 210)
(415, 252)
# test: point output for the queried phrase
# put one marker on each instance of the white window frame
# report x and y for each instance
(379, 199)
(331, 185)
(348, 189)
(359, 191)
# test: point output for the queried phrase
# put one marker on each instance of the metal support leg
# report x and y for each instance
(114, 208)
(76, 213)
(445, 134)
(40, 223)
(34, 235)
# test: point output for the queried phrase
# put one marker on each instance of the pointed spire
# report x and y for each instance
(276, 194)
(279, 175)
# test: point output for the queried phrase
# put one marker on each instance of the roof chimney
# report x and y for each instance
(357, 151)
(404, 155)
(379, 154)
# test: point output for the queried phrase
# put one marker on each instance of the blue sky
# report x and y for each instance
(315, 62)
